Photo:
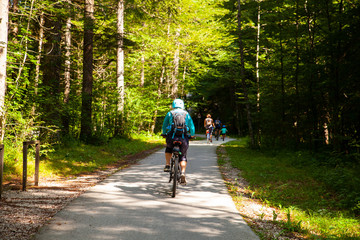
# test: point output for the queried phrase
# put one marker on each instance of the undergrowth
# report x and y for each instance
(74, 157)
(318, 199)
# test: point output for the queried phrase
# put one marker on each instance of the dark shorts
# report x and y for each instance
(183, 147)
(210, 128)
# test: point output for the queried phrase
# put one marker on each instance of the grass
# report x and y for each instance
(74, 157)
(297, 190)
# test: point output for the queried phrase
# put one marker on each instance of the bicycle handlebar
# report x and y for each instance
(165, 135)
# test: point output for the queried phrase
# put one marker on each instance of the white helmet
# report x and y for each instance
(178, 103)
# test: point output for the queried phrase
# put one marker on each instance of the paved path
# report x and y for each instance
(136, 204)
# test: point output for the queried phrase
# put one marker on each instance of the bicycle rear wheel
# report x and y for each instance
(171, 169)
(176, 175)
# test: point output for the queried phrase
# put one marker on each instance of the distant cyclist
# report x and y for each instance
(178, 126)
(209, 125)
(223, 132)
(217, 128)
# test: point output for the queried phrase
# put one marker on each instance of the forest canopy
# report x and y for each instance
(285, 73)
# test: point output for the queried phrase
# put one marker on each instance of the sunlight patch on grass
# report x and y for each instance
(79, 158)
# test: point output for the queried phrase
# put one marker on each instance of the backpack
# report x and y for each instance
(217, 123)
(179, 122)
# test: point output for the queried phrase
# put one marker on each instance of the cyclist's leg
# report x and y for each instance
(183, 148)
(183, 159)
(208, 134)
(183, 164)
(168, 153)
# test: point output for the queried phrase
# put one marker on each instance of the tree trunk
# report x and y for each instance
(257, 59)
(22, 64)
(161, 80)
(237, 118)
(183, 81)
(120, 65)
(51, 67)
(335, 128)
(296, 124)
(312, 61)
(38, 60)
(175, 72)
(243, 80)
(258, 73)
(4, 18)
(67, 79)
(282, 77)
(87, 84)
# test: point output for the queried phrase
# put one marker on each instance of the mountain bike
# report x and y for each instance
(175, 167)
(217, 134)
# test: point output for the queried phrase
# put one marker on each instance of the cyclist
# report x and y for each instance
(223, 132)
(209, 125)
(217, 128)
(178, 126)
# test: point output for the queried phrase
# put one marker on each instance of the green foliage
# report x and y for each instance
(20, 129)
(75, 157)
(310, 194)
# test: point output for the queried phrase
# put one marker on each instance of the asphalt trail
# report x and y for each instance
(136, 204)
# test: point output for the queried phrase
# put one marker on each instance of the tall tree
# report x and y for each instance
(243, 77)
(51, 67)
(175, 72)
(87, 84)
(38, 59)
(258, 69)
(4, 16)
(120, 60)
(67, 76)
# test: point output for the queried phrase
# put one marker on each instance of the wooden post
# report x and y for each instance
(1, 167)
(37, 162)
(25, 147)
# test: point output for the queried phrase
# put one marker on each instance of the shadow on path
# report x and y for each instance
(136, 204)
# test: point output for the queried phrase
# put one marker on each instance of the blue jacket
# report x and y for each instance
(169, 119)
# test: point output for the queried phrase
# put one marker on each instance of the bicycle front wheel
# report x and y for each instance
(176, 175)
